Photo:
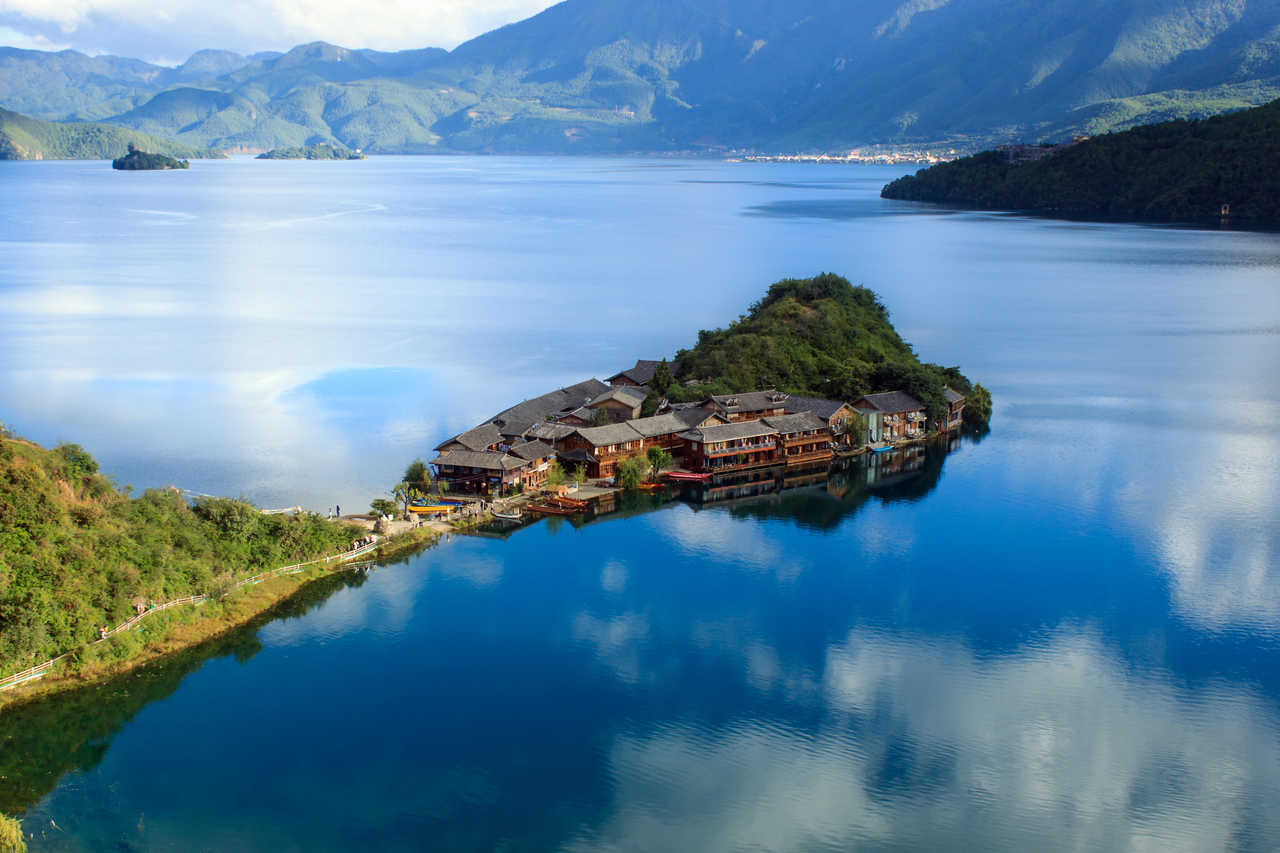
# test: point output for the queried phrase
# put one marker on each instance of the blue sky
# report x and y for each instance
(172, 31)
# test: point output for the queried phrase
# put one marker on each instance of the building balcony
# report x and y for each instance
(744, 448)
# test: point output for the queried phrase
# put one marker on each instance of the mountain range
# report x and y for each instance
(651, 75)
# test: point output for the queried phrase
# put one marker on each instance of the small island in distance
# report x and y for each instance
(137, 159)
(320, 151)
(1221, 168)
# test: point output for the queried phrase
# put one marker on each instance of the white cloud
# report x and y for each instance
(9, 37)
(135, 28)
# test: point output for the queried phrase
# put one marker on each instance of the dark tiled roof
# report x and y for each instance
(697, 416)
(535, 411)
(624, 395)
(479, 438)
(490, 460)
(729, 432)
(601, 436)
(662, 424)
(800, 422)
(549, 432)
(532, 450)
(576, 455)
(891, 402)
(751, 401)
(953, 396)
(643, 372)
(822, 408)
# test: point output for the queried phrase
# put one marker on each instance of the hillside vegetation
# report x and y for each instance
(23, 138)
(629, 75)
(321, 151)
(819, 337)
(76, 553)
(1178, 171)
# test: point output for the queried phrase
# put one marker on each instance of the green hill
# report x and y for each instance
(1178, 171)
(76, 553)
(23, 138)
(819, 337)
(629, 75)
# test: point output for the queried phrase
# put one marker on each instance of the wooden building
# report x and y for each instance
(664, 430)
(480, 439)
(750, 406)
(955, 410)
(901, 416)
(539, 455)
(803, 438)
(730, 447)
(480, 472)
(599, 448)
(619, 404)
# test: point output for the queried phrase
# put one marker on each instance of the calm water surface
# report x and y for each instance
(1065, 636)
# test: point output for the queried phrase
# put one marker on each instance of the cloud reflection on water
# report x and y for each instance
(1058, 747)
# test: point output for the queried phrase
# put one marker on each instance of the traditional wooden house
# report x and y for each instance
(750, 406)
(955, 410)
(619, 404)
(599, 448)
(539, 455)
(516, 421)
(579, 417)
(480, 472)
(639, 376)
(839, 416)
(730, 447)
(664, 430)
(901, 416)
(482, 438)
(803, 438)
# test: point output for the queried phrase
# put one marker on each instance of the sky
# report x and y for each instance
(170, 32)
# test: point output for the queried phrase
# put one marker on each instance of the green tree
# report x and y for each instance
(662, 378)
(555, 474)
(382, 506)
(402, 493)
(579, 475)
(631, 472)
(977, 408)
(601, 417)
(11, 840)
(659, 460)
(417, 474)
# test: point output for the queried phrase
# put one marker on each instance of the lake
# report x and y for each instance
(1064, 636)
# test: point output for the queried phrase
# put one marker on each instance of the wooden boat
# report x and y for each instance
(509, 516)
(566, 503)
(688, 477)
(651, 487)
(431, 509)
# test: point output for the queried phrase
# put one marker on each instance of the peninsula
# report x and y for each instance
(139, 160)
(24, 138)
(813, 372)
(82, 564)
(1221, 168)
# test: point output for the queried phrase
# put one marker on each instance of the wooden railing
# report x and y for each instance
(43, 669)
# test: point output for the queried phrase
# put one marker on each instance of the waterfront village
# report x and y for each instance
(592, 427)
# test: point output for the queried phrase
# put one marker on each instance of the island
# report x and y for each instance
(320, 151)
(1218, 169)
(137, 160)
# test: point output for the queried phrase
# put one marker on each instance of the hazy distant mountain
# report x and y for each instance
(602, 75)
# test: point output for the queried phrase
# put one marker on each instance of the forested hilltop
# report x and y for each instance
(1177, 171)
(819, 337)
(23, 138)
(76, 554)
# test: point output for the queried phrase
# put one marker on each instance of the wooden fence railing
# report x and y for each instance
(43, 669)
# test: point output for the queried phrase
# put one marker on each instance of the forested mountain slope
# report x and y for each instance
(1180, 171)
(624, 75)
(24, 138)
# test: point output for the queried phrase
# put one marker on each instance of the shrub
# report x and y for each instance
(11, 840)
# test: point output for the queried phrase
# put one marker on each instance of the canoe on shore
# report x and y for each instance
(547, 509)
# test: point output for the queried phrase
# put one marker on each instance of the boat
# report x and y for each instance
(688, 477)
(651, 487)
(512, 515)
(430, 509)
(884, 449)
(566, 503)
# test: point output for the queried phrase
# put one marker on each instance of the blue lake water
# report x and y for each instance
(1065, 636)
